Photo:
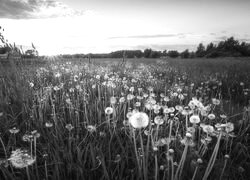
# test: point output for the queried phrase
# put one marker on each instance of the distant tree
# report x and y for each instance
(244, 49)
(210, 47)
(4, 49)
(231, 44)
(185, 54)
(200, 52)
(173, 53)
(147, 53)
(155, 54)
(164, 53)
(213, 54)
(78, 55)
(31, 53)
(126, 53)
(211, 51)
(133, 53)
(192, 55)
(230, 47)
(67, 56)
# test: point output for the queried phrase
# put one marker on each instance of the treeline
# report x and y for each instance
(147, 53)
(227, 48)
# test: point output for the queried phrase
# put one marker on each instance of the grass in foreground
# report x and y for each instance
(135, 120)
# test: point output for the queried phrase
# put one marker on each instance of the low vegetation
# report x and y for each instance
(125, 119)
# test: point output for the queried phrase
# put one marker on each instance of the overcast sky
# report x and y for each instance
(84, 26)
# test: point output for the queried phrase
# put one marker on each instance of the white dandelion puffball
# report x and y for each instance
(208, 129)
(158, 120)
(139, 120)
(194, 119)
(211, 116)
(20, 158)
(109, 110)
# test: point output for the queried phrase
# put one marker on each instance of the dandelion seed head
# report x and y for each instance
(31, 84)
(130, 97)
(155, 148)
(139, 120)
(91, 128)
(241, 169)
(48, 124)
(69, 127)
(194, 119)
(109, 110)
(171, 151)
(137, 104)
(188, 135)
(229, 127)
(215, 101)
(14, 130)
(199, 161)
(179, 108)
(211, 116)
(102, 134)
(20, 158)
(191, 130)
(208, 129)
(27, 138)
(162, 167)
(158, 120)
(112, 100)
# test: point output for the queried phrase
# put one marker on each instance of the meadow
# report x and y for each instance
(125, 119)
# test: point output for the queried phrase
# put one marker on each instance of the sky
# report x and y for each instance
(101, 26)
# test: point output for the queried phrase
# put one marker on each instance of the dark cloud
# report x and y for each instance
(15, 9)
(33, 9)
(149, 36)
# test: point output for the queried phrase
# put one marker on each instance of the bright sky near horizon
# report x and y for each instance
(99, 26)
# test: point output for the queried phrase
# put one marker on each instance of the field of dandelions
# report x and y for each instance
(133, 119)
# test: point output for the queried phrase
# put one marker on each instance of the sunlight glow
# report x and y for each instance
(60, 29)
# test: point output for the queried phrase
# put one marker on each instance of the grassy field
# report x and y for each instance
(133, 119)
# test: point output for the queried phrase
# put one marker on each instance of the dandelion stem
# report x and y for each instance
(46, 170)
(186, 122)
(148, 141)
(136, 154)
(27, 171)
(172, 168)
(181, 163)
(156, 167)
(195, 172)
(143, 157)
(3, 148)
(212, 159)
(169, 139)
(223, 170)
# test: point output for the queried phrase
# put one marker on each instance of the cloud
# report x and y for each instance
(244, 39)
(162, 47)
(181, 35)
(35, 9)
(223, 38)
